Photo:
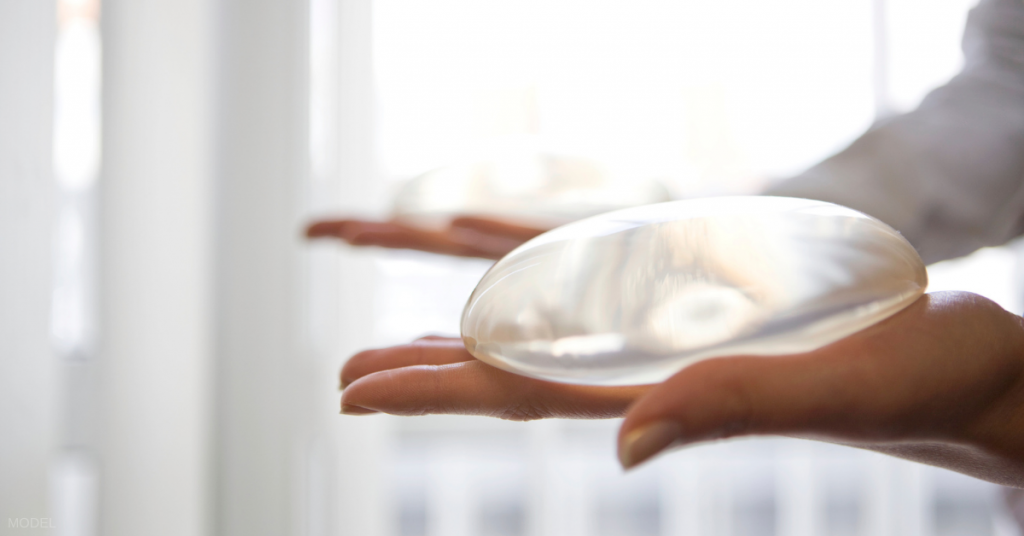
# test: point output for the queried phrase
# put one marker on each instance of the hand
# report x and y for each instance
(464, 237)
(942, 383)
(438, 375)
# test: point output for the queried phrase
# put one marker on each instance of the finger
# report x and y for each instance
(483, 245)
(398, 236)
(438, 338)
(429, 350)
(363, 232)
(732, 396)
(395, 235)
(497, 228)
(331, 228)
(475, 388)
(385, 234)
(456, 241)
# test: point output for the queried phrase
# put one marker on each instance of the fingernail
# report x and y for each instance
(643, 443)
(349, 409)
(342, 384)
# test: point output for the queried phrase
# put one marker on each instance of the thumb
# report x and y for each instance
(734, 396)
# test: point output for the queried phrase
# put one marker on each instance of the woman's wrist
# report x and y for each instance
(991, 445)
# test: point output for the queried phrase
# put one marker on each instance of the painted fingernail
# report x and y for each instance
(349, 409)
(643, 443)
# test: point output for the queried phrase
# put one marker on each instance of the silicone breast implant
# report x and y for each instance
(633, 296)
(546, 189)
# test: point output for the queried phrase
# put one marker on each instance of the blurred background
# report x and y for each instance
(169, 345)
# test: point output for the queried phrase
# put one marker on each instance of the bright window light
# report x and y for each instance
(713, 97)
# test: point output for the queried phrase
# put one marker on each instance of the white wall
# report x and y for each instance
(264, 390)
(155, 236)
(28, 391)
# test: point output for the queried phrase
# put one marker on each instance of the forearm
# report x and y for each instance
(948, 175)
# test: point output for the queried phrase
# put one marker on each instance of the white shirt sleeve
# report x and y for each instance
(950, 174)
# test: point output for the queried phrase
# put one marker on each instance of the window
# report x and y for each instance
(709, 97)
